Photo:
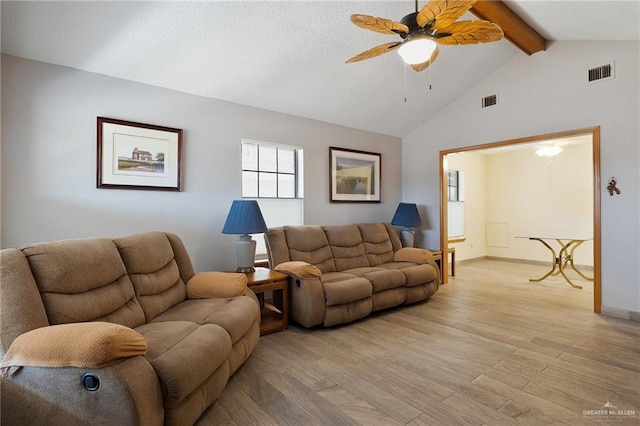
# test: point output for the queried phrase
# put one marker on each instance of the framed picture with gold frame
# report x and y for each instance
(354, 175)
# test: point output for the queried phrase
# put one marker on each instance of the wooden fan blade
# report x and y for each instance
(379, 25)
(376, 51)
(470, 32)
(423, 66)
(443, 12)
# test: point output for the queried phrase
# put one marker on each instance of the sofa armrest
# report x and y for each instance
(212, 284)
(250, 294)
(306, 301)
(413, 254)
(306, 294)
(85, 345)
(299, 269)
(129, 393)
(433, 263)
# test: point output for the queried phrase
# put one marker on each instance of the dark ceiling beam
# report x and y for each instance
(515, 29)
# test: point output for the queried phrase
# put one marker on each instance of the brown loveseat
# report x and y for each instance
(339, 274)
(138, 281)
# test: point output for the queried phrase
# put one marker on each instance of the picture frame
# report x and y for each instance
(354, 175)
(138, 156)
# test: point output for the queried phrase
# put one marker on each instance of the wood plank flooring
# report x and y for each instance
(490, 348)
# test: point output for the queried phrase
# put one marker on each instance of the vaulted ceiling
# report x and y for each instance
(288, 56)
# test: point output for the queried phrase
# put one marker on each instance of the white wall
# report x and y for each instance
(547, 93)
(49, 161)
(541, 197)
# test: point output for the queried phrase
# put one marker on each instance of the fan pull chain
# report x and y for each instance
(404, 69)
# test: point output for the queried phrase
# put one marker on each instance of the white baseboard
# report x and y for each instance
(620, 313)
(514, 260)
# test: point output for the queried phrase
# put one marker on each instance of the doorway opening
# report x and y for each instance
(593, 133)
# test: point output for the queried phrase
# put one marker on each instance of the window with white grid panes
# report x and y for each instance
(271, 171)
(273, 175)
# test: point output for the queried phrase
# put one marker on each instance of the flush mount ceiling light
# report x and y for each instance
(436, 23)
(548, 150)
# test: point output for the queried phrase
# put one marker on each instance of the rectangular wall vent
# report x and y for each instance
(489, 101)
(601, 73)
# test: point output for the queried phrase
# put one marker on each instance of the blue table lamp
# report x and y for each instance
(408, 217)
(245, 218)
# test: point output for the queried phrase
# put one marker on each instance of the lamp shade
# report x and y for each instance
(244, 217)
(406, 216)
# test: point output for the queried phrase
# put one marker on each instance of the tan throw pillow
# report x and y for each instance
(299, 269)
(86, 344)
(412, 254)
(205, 285)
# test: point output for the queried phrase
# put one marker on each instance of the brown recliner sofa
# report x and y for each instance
(137, 281)
(360, 269)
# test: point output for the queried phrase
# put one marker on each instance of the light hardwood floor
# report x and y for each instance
(489, 348)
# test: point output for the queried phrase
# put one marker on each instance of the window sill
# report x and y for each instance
(461, 239)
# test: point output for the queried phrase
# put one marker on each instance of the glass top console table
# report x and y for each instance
(562, 258)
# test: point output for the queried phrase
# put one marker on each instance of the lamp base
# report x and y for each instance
(245, 253)
(408, 237)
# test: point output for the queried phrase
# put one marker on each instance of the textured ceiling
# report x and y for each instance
(286, 56)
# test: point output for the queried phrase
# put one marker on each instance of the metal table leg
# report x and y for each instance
(554, 261)
(566, 256)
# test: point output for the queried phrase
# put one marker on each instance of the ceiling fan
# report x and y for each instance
(420, 31)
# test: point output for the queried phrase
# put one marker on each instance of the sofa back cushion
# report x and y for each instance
(277, 248)
(347, 247)
(309, 244)
(377, 242)
(83, 280)
(21, 307)
(150, 261)
(181, 256)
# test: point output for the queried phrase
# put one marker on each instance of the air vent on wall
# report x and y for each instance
(489, 101)
(602, 72)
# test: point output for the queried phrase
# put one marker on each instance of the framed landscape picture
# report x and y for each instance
(138, 156)
(354, 175)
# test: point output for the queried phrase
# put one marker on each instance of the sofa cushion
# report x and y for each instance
(389, 298)
(205, 285)
(341, 314)
(87, 344)
(346, 291)
(331, 277)
(309, 244)
(235, 315)
(83, 280)
(150, 263)
(377, 243)
(415, 274)
(184, 355)
(381, 278)
(346, 246)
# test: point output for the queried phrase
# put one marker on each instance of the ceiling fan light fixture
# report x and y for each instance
(417, 50)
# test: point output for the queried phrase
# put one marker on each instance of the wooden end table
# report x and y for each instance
(274, 317)
(437, 256)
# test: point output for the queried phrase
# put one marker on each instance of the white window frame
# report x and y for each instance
(279, 211)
